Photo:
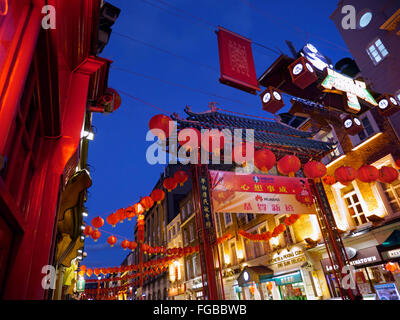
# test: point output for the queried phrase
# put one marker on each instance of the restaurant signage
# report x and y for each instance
(354, 89)
(260, 194)
(363, 257)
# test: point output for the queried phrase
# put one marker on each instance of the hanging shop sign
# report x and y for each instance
(317, 59)
(259, 194)
(353, 89)
(362, 257)
(236, 61)
(288, 279)
(80, 285)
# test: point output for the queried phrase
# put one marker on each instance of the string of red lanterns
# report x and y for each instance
(266, 236)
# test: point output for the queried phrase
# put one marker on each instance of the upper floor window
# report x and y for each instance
(377, 51)
(365, 19)
(397, 94)
(392, 193)
(288, 238)
(354, 207)
(228, 219)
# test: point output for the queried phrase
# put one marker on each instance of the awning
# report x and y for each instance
(390, 248)
(250, 274)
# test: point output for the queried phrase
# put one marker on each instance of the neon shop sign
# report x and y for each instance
(353, 88)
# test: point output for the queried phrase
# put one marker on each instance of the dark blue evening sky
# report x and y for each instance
(119, 169)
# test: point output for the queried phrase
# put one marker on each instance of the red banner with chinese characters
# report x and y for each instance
(236, 61)
(251, 193)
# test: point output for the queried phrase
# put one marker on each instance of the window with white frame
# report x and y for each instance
(266, 244)
(287, 235)
(370, 128)
(377, 51)
(227, 219)
(392, 194)
(354, 208)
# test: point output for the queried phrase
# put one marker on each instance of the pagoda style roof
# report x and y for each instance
(274, 135)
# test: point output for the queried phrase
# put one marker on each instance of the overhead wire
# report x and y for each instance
(289, 25)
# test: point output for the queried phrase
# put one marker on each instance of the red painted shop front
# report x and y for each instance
(46, 77)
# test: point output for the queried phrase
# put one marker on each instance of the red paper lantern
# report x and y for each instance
(89, 272)
(264, 160)
(97, 222)
(138, 209)
(207, 139)
(388, 174)
(305, 197)
(112, 240)
(314, 169)
(130, 213)
(170, 184)
(289, 165)
(157, 195)
(112, 219)
(180, 177)
(121, 214)
(329, 180)
(241, 150)
(96, 234)
(96, 272)
(345, 175)
(392, 267)
(132, 245)
(367, 174)
(159, 126)
(191, 135)
(125, 244)
(147, 203)
(88, 231)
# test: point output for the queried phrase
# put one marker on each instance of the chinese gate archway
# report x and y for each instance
(282, 140)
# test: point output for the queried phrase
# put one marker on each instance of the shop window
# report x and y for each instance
(227, 219)
(392, 193)
(377, 51)
(354, 208)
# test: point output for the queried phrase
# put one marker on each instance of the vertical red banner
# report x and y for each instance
(236, 61)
